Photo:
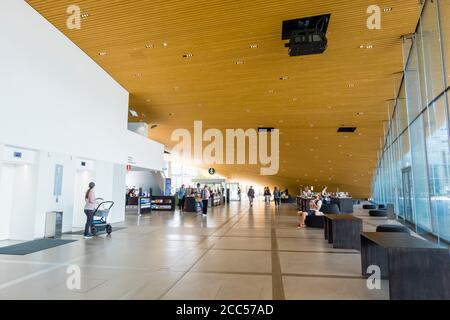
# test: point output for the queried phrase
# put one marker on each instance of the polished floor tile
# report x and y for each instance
(216, 286)
(318, 263)
(226, 255)
(235, 261)
(323, 288)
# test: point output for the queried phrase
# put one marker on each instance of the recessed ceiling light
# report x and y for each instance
(171, 114)
(240, 62)
(340, 146)
(351, 85)
(284, 78)
(388, 9)
(366, 46)
(84, 15)
(165, 44)
(188, 55)
(103, 53)
(360, 113)
(149, 100)
(253, 46)
(150, 46)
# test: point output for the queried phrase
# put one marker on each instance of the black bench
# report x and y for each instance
(378, 213)
(369, 206)
(314, 222)
(392, 228)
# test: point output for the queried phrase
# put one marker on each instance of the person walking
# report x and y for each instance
(205, 199)
(89, 209)
(181, 197)
(251, 195)
(277, 197)
(239, 193)
(267, 195)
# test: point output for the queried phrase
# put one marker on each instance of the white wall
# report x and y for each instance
(57, 101)
(65, 102)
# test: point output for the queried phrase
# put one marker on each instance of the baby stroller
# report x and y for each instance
(100, 215)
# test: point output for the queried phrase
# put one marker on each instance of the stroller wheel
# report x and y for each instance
(94, 231)
(108, 229)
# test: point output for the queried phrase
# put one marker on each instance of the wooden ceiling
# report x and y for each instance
(145, 41)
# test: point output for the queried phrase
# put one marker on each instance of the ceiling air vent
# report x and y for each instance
(346, 129)
(267, 129)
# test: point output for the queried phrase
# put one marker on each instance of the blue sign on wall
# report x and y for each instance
(168, 187)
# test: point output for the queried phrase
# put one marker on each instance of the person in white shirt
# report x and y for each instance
(205, 199)
(314, 210)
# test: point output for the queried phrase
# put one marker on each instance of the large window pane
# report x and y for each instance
(444, 8)
(402, 115)
(419, 175)
(429, 47)
(412, 85)
(438, 167)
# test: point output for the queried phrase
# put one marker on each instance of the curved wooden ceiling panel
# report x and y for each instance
(322, 92)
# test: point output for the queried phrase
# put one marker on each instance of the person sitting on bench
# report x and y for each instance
(314, 210)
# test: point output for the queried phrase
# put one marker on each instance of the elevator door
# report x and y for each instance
(407, 194)
(6, 199)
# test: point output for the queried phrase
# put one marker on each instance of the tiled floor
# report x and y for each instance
(234, 253)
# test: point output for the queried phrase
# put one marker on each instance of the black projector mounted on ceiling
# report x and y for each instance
(306, 35)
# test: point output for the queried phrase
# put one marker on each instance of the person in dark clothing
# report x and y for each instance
(277, 196)
(251, 195)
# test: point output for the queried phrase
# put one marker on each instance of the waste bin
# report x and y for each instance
(53, 224)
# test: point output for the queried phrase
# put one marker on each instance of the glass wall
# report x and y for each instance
(414, 168)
